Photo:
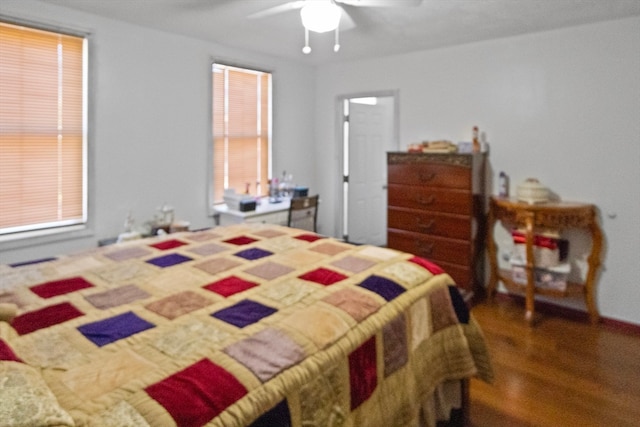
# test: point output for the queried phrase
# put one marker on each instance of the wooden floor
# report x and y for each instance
(560, 372)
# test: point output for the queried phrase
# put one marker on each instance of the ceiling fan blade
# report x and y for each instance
(292, 5)
(381, 3)
(346, 21)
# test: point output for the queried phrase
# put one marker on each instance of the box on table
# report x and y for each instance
(233, 200)
(300, 192)
(247, 205)
(548, 251)
(545, 277)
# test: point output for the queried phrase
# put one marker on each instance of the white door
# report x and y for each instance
(369, 137)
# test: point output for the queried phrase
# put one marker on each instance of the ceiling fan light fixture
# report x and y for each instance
(306, 49)
(320, 16)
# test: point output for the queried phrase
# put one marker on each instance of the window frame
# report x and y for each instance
(45, 233)
(212, 137)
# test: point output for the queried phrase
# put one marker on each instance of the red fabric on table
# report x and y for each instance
(197, 394)
(45, 317)
(60, 287)
(538, 240)
(363, 375)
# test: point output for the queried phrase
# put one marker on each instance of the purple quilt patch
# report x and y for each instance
(115, 328)
(253, 254)
(35, 261)
(386, 288)
(169, 260)
(279, 415)
(244, 313)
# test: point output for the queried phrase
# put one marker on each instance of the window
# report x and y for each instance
(42, 129)
(241, 130)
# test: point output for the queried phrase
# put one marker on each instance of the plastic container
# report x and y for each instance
(545, 278)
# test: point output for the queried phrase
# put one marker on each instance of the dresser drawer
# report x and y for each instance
(431, 174)
(434, 223)
(278, 218)
(428, 198)
(461, 275)
(430, 247)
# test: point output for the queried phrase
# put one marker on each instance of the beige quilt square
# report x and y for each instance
(217, 265)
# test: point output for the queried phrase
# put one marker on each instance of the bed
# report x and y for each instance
(243, 325)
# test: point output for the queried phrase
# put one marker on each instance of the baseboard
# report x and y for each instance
(574, 314)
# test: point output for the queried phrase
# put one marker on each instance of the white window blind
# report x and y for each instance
(42, 146)
(241, 130)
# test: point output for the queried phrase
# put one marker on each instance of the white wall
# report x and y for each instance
(150, 123)
(562, 106)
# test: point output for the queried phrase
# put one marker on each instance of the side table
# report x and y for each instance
(550, 215)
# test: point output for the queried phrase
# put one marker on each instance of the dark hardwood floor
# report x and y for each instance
(560, 372)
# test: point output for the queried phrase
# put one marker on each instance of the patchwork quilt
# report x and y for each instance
(246, 325)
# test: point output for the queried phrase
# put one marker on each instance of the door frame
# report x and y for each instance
(340, 137)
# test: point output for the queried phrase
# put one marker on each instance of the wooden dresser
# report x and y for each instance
(436, 211)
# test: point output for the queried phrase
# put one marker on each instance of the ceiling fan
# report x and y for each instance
(325, 15)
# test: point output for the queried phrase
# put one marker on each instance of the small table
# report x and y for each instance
(266, 213)
(549, 215)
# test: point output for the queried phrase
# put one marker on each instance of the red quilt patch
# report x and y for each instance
(433, 268)
(309, 237)
(168, 244)
(197, 394)
(6, 353)
(323, 276)
(60, 287)
(363, 375)
(45, 317)
(229, 286)
(241, 240)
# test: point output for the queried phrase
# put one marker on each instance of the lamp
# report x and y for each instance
(320, 16)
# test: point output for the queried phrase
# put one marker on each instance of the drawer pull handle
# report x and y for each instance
(424, 248)
(426, 227)
(429, 200)
(424, 177)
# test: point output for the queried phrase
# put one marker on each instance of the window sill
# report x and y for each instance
(43, 237)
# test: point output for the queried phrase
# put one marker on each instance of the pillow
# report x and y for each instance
(25, 399)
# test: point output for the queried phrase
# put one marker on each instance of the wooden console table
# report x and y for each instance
(550, 215)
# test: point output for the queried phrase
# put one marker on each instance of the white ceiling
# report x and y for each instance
(377, 31)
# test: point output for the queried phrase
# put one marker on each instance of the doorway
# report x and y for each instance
(369, 131)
